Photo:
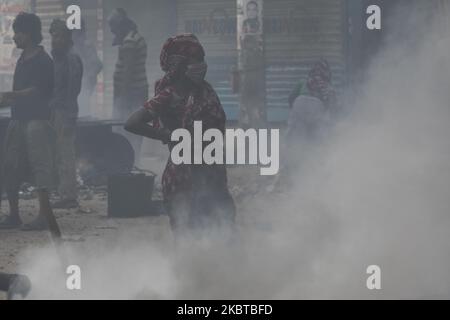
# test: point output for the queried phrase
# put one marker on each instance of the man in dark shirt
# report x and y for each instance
(28, 137)
(64, 105)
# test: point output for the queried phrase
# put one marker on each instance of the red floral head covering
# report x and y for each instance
(180, 47)
(175, 54)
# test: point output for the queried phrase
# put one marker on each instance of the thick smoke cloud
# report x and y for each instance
(376, 191)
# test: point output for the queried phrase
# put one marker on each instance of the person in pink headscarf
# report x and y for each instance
(196, 196)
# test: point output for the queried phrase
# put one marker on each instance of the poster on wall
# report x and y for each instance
(249, 19)
(8, 51)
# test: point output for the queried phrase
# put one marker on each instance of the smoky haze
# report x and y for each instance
(375, 192)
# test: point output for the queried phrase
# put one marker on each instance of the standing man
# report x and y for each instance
(130, 76)
(28, 137)
(64, 107)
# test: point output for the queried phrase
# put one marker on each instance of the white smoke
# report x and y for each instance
(376, 193)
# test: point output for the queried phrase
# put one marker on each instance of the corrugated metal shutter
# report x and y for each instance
(214, 23)
(297, 32)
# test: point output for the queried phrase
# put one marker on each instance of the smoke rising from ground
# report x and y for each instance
(376, 192)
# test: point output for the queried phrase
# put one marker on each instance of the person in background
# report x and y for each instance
(315, 99)
(313, 104)
(130, 76)
(64, 107)
(91, 67)
(28, 142)
(318, 84)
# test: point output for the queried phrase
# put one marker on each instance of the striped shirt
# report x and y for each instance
(130, 72)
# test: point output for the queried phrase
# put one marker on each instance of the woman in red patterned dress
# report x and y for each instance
(196, 196)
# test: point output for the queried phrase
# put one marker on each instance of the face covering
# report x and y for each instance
(197, 72)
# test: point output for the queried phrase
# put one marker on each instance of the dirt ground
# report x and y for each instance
(90, 223)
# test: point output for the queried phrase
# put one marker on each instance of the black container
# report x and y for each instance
(130, 195)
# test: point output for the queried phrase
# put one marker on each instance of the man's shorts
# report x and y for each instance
(28, 154)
